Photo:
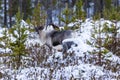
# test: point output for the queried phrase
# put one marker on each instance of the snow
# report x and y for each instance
(112, 57)
(74, 64)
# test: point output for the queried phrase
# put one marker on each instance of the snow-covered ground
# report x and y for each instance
(78, 63)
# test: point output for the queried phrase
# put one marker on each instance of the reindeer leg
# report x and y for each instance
(50, 47)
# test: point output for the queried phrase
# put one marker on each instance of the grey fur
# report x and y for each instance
(67, 45)
(58, 36)
(54, 37)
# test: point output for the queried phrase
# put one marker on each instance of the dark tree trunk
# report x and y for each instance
(5, 13)
(116, 3)
(97, 6)
(10, 13)
(86, 6)
(101, 8)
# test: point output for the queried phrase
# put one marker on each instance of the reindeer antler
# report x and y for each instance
(54, 26)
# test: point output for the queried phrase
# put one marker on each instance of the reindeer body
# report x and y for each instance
(58, 36)
(53, 37)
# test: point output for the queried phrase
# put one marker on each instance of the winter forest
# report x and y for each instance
(59, 39)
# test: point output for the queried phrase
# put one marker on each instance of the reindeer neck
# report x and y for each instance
(42, 35)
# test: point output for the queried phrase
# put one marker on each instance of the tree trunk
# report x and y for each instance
(86, 7)
(97, 6)
(5, 13)
(115, 3)
(101, 8)
(10, 13)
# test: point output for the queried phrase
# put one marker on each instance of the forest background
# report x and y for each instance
(55, 10)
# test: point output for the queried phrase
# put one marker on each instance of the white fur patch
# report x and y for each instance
(58, 47)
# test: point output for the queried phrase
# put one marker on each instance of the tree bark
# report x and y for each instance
(101, 8)
(10, 13)
(5, 13)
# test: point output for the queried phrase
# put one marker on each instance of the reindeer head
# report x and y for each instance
(39, 28)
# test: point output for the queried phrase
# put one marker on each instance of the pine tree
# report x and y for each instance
(27, 9)
(38, 18)
(114, 16)
(18, 32)
(49, 5)
(98, 41)
(112, 41)
(67, 17)
(79, 12)
(5, 42)
(108, 4)
(5, 13)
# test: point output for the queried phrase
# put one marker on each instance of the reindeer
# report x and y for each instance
(53, 37)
